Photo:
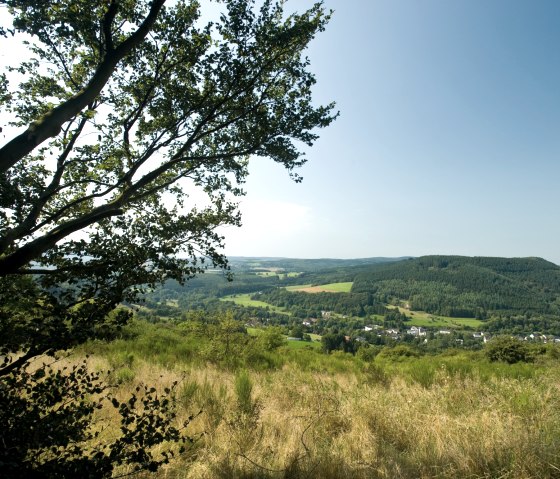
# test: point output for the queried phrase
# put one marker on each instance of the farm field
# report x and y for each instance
(323, 288)
(245, 300)
(421, 318)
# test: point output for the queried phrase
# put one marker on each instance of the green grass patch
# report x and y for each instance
(297, 287)
(338, 287)
(421, 318)
(245, 300)
(304, 344)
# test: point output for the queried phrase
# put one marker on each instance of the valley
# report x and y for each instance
(336, 372)
(378, 301)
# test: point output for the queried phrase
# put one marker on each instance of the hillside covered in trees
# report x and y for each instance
(466, 287)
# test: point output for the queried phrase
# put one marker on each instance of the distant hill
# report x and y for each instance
(305, 265)
(467, 286)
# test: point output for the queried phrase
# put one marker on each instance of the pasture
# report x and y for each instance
(323, 288)
(421, 318)
(245, 300)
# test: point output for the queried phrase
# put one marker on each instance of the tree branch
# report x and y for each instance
(19, 361)
(50, 124)
(31, 218)
(106, 26)
(34, 249)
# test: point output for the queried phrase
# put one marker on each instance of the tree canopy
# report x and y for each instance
(128, 109)
(126, 112)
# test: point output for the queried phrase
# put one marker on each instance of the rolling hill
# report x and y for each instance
(466, 286)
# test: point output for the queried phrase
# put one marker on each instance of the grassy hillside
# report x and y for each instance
(263, 410)
(467, 287)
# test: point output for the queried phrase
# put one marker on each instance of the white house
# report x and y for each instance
(416, 331)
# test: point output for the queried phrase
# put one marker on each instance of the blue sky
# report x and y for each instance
(448, 140)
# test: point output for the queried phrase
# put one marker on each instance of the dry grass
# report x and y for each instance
(309, 425)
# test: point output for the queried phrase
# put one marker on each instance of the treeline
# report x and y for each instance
(522, 325)
(306, 305)
(319, 265)
(466, 287)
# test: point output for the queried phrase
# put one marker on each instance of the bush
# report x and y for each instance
(244, 391)
(507, 349)
(367, 353)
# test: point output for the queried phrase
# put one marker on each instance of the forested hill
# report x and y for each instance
(468, 287)
(239, 263)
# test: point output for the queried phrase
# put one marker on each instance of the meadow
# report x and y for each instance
(261, 409)
(421, 318)
(245, 300)
(323, 288)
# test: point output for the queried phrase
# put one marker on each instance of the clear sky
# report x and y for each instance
(448, 140)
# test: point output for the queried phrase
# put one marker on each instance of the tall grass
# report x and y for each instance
(312, 415)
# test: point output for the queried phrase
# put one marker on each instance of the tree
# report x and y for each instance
(271, 338)
(148, 106)
(297, 331)
(126, 112)
(507, 349)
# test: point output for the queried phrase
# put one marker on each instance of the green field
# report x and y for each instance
(315, 342)
(323, 288)
(297, 287)
(304, 344)
(421, 318)
(245, 300)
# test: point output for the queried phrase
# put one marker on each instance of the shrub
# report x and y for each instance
(367, 353)
(507, 349)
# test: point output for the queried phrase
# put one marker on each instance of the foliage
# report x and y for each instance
(337, 341)
(304, 305)
(127, 111)
(271, 338)
(507, 349)
(46, 430)
(149, 104)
